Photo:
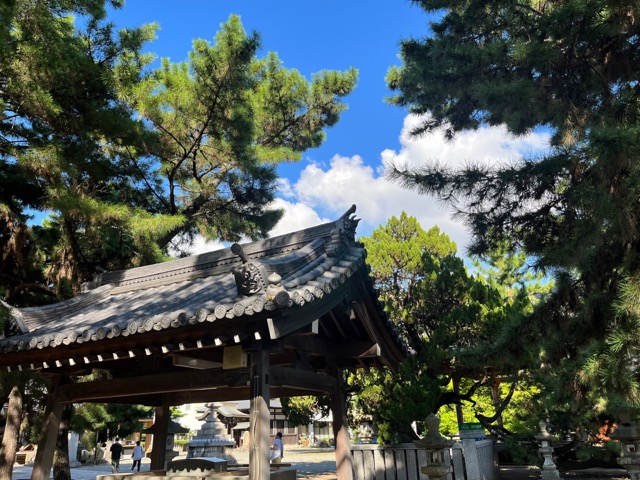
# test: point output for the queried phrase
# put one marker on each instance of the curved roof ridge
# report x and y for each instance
(283, 247)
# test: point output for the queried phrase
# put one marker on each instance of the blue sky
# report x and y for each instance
(310, 36)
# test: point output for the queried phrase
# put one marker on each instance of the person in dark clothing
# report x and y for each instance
(116, 453)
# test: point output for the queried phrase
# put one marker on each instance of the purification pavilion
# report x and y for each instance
(274, 318)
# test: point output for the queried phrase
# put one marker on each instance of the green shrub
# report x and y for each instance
(606, 453)
(518, 452)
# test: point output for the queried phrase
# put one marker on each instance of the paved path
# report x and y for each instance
(320, 464)
(311, 463)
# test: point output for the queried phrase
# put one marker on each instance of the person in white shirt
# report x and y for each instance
(277, 452)
(137, 455)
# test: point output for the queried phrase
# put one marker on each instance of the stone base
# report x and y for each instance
(550, 475)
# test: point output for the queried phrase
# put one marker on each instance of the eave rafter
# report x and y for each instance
(203, 384)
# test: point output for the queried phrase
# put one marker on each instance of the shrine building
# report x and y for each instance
(275, 318)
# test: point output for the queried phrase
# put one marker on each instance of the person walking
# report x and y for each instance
(116, 453)
(136, 456)
(277, 452)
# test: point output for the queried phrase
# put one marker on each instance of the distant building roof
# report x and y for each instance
(228, 411)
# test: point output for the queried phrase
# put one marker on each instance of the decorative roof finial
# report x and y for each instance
(251, 277)
(344, 236)
(276, 293)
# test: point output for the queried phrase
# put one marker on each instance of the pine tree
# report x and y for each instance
(124, 159)
(60, 113)
(570, 67)
(443, 313)
(223, 120)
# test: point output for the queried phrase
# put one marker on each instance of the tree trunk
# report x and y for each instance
(497, 401)
(456, 390)
(51, 422)
(11, 433)
(61, 467)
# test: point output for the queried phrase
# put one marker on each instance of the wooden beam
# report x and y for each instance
(196, 363)
(303, 318)
(207, 396)
(310, 381)
(183, 381)
(160, 427)
(391, 354)
(319, 346)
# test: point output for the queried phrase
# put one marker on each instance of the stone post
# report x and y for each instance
(438, 464)
(549, 470)
(628, 435)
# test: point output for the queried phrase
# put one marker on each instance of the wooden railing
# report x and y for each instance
(471, 460)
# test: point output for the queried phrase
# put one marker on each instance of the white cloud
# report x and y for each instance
(199, 245)
(348, 180)
(324, 192)
(492, 145)
(297, 216)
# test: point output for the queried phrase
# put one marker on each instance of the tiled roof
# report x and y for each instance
(281, 273)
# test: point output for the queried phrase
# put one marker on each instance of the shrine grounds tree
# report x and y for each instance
(222, 121)
(447, 316)
(303, 409)
(572, 68)
(120, 159)
(23, 394)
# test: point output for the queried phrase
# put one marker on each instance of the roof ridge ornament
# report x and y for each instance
(251, 277)
(276, 293)
(344, 235)
(350, 224)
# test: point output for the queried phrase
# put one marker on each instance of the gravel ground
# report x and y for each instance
(320, 464)
(311, 463)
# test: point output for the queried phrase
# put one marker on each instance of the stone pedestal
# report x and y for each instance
(549, 469)
(438, 465)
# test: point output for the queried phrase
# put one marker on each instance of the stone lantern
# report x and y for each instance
(628, 434)
(438, 465)
(549, 470)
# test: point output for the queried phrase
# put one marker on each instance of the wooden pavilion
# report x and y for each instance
(274, 318)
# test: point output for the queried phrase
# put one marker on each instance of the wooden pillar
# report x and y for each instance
(259, 454)
(160, 427)
(344, 461)
(49, 435)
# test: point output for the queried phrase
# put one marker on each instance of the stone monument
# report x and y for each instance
(212, 439)
(628, 434)
(549, 469)
(438, 464)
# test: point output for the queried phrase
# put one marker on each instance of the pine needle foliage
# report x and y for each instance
(571, 68)
(450, 318)
(126, 161)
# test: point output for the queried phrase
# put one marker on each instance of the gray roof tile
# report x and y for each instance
(311, 263)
